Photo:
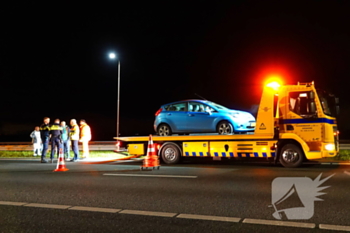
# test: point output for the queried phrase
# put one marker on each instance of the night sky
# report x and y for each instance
(54, 58)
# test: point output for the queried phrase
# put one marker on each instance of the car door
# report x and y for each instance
(198, 119)
(177, 116)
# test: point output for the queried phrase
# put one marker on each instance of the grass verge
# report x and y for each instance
(29, 154)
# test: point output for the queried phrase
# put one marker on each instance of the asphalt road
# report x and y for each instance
(195, 196)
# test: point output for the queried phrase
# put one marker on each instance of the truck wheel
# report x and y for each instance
(164, 130)
(291, 156)
(224, 127)
(170, 154)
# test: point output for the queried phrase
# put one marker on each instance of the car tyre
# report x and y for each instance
(225, 127)
(164, 130)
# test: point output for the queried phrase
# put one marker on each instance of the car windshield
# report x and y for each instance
(218, 106)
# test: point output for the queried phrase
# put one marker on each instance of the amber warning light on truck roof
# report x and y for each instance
(273, 81)
(274, 85)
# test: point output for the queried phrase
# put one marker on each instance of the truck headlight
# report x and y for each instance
(329, 147)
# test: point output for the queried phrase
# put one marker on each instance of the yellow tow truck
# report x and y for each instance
(294, 123)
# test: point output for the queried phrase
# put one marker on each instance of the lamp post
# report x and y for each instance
(113, 56)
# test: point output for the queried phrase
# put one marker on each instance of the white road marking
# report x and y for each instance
(208, 217)
(279, 223)
(184, 216)
(150, 213)
(12, 203)
(95, 209)
(347, 173)
(334, 227)
(47, 206)
(161, 176)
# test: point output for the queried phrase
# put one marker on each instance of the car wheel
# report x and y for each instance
(164, 130)
(225, 127)
(291, 156)
(170, 154)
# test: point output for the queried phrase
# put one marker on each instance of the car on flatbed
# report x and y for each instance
(201, 116)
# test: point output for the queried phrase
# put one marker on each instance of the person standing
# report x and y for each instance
(45, 137)
(85, 137)
(56, 138)
(74, 138)
(36, 140)
(65, 140)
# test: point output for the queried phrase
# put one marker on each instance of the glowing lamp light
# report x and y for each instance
(274, 85)
(330, 147)
(112, 55)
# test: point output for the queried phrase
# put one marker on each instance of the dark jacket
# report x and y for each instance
(44, 132)
(56, 130)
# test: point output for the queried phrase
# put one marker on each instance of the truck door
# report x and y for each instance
(303, 120)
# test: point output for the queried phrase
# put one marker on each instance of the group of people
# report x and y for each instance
(61, 136)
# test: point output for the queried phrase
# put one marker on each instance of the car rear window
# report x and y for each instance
(176, 107)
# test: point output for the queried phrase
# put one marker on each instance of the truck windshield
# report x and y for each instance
(328, 102)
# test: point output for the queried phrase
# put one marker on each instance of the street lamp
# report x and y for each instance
(113, 56)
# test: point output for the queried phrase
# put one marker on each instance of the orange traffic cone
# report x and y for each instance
(61, 166)
(151, 160)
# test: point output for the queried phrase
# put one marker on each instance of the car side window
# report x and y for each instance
(209, 109)
(196, 107)
(180, 107)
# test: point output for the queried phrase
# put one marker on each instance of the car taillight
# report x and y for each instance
(159, 111)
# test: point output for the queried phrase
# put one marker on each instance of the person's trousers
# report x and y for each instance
(85, 149)
(66, 149)
(37, 148)
(45, 147)
(75, 149)
(55, 143)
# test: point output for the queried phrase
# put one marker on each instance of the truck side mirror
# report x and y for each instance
(311, 95)
(336, 100)
(312, 107)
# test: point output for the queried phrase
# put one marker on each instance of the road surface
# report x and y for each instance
(195, 196)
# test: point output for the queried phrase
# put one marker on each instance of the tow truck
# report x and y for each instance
(294, 123)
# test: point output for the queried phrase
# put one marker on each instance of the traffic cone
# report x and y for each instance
(61, 166)
(151, 159)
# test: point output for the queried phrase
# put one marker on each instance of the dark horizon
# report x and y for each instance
(54, 59)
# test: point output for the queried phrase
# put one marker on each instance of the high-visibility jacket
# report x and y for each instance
(74, 132)
(56, 130)
(85, 132)
(45, 131)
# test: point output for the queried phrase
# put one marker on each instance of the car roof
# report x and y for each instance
(195, 100)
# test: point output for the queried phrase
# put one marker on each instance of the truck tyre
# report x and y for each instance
(170, 154)
(224, 127)
(291, 156)
(164, 130)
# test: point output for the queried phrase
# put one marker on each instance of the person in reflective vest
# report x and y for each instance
(56, 138)
(74, 138)
(85, 137)
(45, 137)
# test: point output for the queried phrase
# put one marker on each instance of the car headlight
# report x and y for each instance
(329, 147)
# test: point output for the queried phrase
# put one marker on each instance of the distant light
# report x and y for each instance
(112, 55)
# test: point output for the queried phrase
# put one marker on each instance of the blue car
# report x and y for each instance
(201, 116)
